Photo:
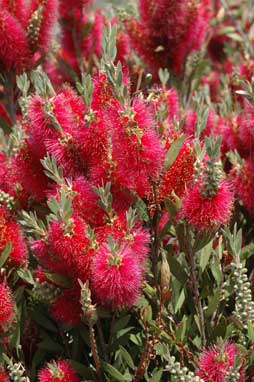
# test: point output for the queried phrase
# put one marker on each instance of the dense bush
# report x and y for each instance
(126, 191)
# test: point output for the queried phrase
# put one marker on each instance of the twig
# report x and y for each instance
(155, 235)
(102, 340)
(94, 350)
(195, 286)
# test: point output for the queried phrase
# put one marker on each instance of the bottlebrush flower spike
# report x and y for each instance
(91, 44)
(67, 243)
(207, 212)
(25, 177)
(116, 277)
(11, 233)
(216, 361)
(3, 375)
(67, 309)
(7, 307)
(43, 254)
(182, 28)
(42, 20)
(70, 246)
(246, 126)
(136, 141)
(85, 202)
(50, 120)
(242, 176)
(58, 371)
(18, 8)
(179, 174)
(14, 51)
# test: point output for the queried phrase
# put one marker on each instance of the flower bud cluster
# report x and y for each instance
(45, 292)
(181, 374)
(232, 376)
(16, 372)
(211, 178)
(6, 199)
(244, 304)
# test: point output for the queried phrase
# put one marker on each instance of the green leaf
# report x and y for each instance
(124, 331)
(156, 376)
(213, 303)
(121, 323)
(43, 321)
(84, 371)
(180, 301)
(14, 340)
(172, 207)
(114, 372)
(251, 331)
(226, 30)
(202, 240)
(177, 269)
(26, 275)
(50, 345)
(205, 255)
(59, 280)
(217, 272)
(173, 151)
(127, 357)
(235, 37)
(181, 329)
(141, 208)
(5, 254)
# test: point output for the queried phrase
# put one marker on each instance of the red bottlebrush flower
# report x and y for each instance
(179, 175)
(43, 130)
(70, 7)
(26, 176)
(10, 232)
(213, 81)
(67, 309)
(182, 28)
(103, 96)
(7, 307)
(116, 278)
(242, 179)
(18, 8)
(232, 137)
(14, 51)
(91, 44)
(204, 213)
(190, 122)
(135, 141)
(173, 105)
(71, 246)
(40, 275)
(59, 371)
(39, 129)
(216, 361)
(246, 127)
(85, 202)
(3, 375)
(138, 240)
(65, 150)
(42, 20)
(166, 102)
(43, 254)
